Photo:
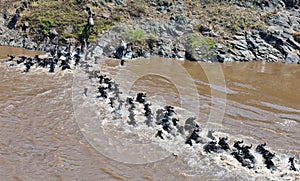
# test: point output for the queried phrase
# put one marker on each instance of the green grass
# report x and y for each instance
(194, 41)
(135, 36)
(204, 44)
(210, 42)
(152, 37)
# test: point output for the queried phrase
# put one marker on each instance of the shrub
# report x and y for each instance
(199, 47)
(194, 41)
(210, 42)
(135, 36)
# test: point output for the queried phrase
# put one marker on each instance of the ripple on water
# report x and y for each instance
(40, 138)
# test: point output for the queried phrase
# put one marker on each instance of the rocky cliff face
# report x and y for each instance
(208, 30)
(292, 3)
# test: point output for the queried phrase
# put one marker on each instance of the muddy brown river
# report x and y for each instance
(44, 135)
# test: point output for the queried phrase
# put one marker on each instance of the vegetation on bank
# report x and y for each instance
(199, 46)
(195, 41)
(226, 19)
(135, 36)
(68, 18)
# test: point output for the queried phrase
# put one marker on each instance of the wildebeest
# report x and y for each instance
(223, 144)
(240, 158)
(292, 164)
(237, 145)
(140, 98)
(267, 155)
(211, 147)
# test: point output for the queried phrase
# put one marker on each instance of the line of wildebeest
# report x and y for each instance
(57, 57)
(169, 124)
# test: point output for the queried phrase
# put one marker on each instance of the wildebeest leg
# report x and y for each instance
(85, 91)
(159, 134)
(131, 119)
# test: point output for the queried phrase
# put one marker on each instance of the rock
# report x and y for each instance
(274, 39)
(239, 37)
(272, 58)
(239, 44)
(248, 55)
(176, 31)
(196, 49)
(204, 29)
(98, 51)
(13, 21)
(293, 43)
(296, 27)
(281, 20)
(178, 51)
(286, 50)
(261, 4)
(180, 20)
(161, 52)
(296, 36)
(221, 48)
(172, 19)
(179, 29)
(52, 33)
(106, 15)
(146, 55)
(165, 3)
(5, 15)
(108, 51)
(160, 9)
(220, 57)
(189, 28)
(251, 43)
(291, 3)
(291, 58)
(286, 33)
(180, 55)
(233, 52)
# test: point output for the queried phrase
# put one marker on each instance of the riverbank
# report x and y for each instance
(198, 31)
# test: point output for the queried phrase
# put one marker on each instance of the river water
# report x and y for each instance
(44, 135)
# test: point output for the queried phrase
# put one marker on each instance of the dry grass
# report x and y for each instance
(227, 19)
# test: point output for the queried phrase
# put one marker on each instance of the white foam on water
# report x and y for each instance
(193, 155)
